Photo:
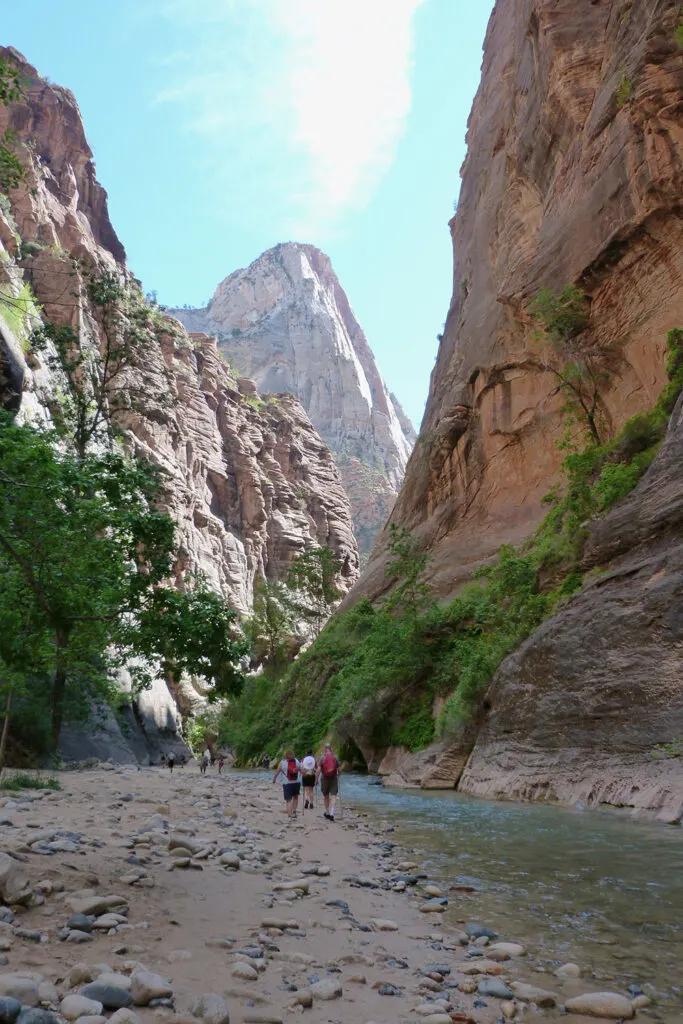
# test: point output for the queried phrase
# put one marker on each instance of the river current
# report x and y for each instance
(595, 888)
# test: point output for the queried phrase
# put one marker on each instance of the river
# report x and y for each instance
(596, 888)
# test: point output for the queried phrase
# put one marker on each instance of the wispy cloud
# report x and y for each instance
(302, 102)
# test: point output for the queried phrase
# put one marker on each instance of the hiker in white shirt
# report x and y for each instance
(309, 766)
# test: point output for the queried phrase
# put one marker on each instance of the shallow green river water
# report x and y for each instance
(595, 888)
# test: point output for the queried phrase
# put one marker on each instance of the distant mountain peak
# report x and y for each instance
(287, 323)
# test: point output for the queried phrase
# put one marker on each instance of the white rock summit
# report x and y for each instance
(286, 323)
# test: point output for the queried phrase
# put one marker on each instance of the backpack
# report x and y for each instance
(329, 766)
(292, 770)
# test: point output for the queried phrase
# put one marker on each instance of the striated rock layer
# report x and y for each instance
(577, 712)
(248, 480)
(573, 175)
(286, 322)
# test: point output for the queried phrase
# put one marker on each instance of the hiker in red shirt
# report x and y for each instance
(328, 773)
(289, 768)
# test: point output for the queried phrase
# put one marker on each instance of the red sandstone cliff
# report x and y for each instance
(573, 175)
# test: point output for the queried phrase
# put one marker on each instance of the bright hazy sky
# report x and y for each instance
(221, 127)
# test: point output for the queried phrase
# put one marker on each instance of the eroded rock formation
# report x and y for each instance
(577, 714)
(573, 175)
(286, 322)
(247, 478)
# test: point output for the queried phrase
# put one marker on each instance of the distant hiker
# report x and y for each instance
(221, 762)
(308, 778)
(328, 772)
(170, 761)
(162, 760)
(289, 767)
(265, 761)
(203, 764)
(212, 760)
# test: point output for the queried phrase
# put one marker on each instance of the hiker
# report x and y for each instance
(203, 764)
(328, 772)
(309, 766)
(162, 760)
(170, 761)
(289, 767)
(221, 762)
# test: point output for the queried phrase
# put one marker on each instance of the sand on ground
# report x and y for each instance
(189, 923)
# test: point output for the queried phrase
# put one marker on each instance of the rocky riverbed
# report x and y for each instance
(141, 896)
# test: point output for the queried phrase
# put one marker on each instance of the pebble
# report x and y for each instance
(494, 987)
(568, 971)
(211, 1008)
(112, 997)
(9, 1010)
(146, 986)
(326, 989)
(124, 1016)
(601, 1004)
(36, 1016)
(531, 994)
(81, 922)
(475, 931)
(505, 950)
(74, 1006)
(17, 986)
(382, 924)
(244, 972)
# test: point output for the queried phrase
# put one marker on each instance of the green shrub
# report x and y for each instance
(563, 316)
(22, 780)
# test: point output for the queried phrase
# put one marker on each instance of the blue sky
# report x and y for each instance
(221, 127)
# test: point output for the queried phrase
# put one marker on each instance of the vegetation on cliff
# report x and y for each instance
(375, 672)
(86, 556)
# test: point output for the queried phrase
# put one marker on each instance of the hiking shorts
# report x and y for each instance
(308, 781)
(329, 785)
(291, 789)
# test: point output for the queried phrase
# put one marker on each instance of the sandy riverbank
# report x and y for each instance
(353, 924)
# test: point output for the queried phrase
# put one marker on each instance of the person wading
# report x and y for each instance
(329, 771)
(309, 767)
(289, 767)
(170, 761)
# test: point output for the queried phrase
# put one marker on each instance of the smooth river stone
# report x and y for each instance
(601, 1004)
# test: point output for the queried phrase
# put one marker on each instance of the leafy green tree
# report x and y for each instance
(408, 562)
(12, 171)
(102, 374)
(83, 560)
(313, 580)
(579, 367)
(271, 627)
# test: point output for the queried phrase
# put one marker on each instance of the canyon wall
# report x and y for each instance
(286, 322)
(247, 479)
(573, 175)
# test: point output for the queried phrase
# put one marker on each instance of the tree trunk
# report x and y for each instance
(5, 728)
(58, 691)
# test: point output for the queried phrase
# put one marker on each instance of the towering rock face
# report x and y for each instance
(585, 709)
(248, 480)
(286, 322)
(573, 175)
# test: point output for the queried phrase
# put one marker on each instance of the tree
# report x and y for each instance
(83, 560)
(102, 373)
(411, 594)
(312, 578)
(12, 171)
(270, 627)
(579, 368)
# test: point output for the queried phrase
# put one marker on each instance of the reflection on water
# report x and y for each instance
(596, 888)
